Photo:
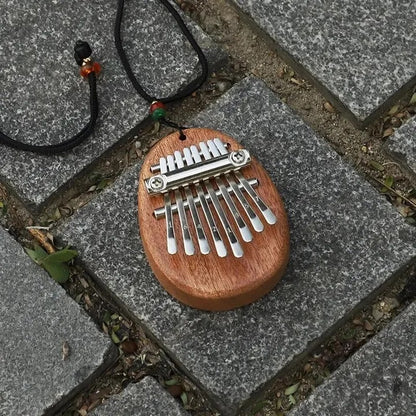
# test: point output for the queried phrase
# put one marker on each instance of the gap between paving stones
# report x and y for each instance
(303, 92)
(252, 52)
(139, 356)
(38, 110)
(248, 13)
(98, 304)
(90, 181)
(313, 367)
(288, 375)
(99, 299)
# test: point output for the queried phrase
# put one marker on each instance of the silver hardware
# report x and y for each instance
(254, 219)
(170, 234)
(160, 212)
(156, 183)
(192, 174)
(238, 157)
(265, 210)
(200, 178)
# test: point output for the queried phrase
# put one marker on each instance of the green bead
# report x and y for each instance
(158, 114)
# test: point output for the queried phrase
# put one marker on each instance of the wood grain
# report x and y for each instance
(207, 281)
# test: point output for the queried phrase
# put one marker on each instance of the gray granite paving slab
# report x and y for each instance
(37, 318)
(361, 51)
(44, 100)
(146, 398)
(402, 145)
(346, 241)
(379, 380)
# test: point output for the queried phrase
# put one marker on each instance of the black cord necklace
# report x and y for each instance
(157, 107)
(89, 69)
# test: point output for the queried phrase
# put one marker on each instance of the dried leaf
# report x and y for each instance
(65, 350)
(394, 110)
(377, 314)
(296, 81)
(329, 107)
(87, 300)
(368, 326)
(84, 283)
(388, 132)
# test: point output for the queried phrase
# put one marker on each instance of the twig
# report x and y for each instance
(396, 193)
(42, 240)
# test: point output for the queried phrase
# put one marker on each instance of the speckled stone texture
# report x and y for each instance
(37, 317)
(146, 398)
(402, 145)
(379, 380)
(44, 100)
(346, 241)
(361, 51)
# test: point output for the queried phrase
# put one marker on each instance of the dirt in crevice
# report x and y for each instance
(253, 53)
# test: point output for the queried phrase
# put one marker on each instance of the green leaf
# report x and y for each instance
(115, 338)
(172, 382)
(389, 181)
(292, 400)
(377, 166)
(292, 389)
(107, 317)
(184, 398)
(413, 99)
(102, 184)
(61, 256)
(58, 271)
(37, 255)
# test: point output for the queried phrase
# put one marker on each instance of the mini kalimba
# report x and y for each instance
(212, 223)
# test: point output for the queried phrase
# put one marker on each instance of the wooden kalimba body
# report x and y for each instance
(212, 223)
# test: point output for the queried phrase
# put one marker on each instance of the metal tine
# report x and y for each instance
(254, 219)
(265, 210)
(242, 226)
(216, 236)
(186, 236)
(235, 245)
(170, 229)
(202, 239)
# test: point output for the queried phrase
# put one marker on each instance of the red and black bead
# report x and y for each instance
(88, 67)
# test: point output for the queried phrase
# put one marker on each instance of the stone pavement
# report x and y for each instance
(146, 398)
(402, 146)
(360, 53)
(347, 241)
(380, 380)
(37, 318)
(49, 103)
